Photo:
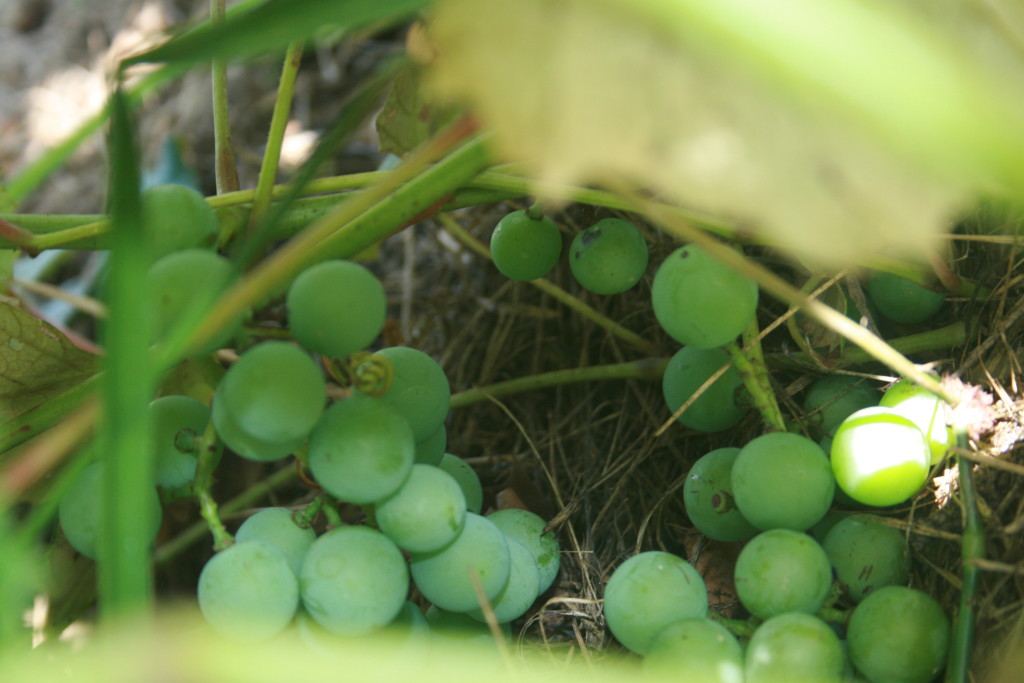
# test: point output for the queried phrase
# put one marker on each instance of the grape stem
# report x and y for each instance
(210, 450)
(972, 548)
(749, 362)
(741, 628)
(226, 172)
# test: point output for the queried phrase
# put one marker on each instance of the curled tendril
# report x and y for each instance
(370, 373)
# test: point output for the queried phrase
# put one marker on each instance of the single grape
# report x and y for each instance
(419, 389)
(609, 257)
(79, 511)
(444, 576)
(649, 592)
(426, 513)
(183, 287)
(272, 396)
(898, 634)
(353, 581)
(528, 528)
(902, 300)
(867, 555)
(336, 308)
(709, 501)
(276, 527)
(717, 408)
(782, 481)
(524, 248)
(248, 592)
(520, 590)
(696, 650)
(430, 450)
(464, 474)
(781, 571)
(926, 410)
(177, 422)
(177, 217)
(361, 451)
(880, 457)
(832, 399)
(698, 301)
(794, 648)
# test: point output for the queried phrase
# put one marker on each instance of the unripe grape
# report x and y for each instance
(276, 527)
(794, 648)
(419, 389)
(709, 500)
(696, 650)
(782, 481)
(177, 217)
(647, 593)
(698, 301)
(178, 421)
(464, 474)
(426, 513)
(609, 257)
(880, 457)
(832, 399)
(902, 300)
(781, 571)
(926, 410)
(524, 248)
(717, 408)
(336, 308)
(528, 528)
(520, 590)
(867, 555)
(248, 592)
(183, 286)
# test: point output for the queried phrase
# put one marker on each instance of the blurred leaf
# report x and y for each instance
(20, 580)
(838, 130)
(7, 259)
(408, 118)
(37, 362)
(274, 24)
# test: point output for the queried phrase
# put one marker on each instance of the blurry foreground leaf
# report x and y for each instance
(37, 362)
(408, 118)
(836, 130)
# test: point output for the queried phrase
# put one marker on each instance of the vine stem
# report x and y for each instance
(972, 548)
(556, 292)
(209, 455)
(264, 193)
(226, 170)
(749, 362)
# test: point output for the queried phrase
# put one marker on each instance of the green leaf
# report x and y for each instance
(838, 129)
(37, 363)
(273, 25)
(408, 118)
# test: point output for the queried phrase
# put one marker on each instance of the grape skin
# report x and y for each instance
(467, 479)
(177, 217)
(524, 248)
(609, 257)
(781, 571)
(426, 513)
(276, 527)
(177, 421)
(867, 555)
(794, 648)
(708, 498)
(419, 390)
(696, 650)
(520, 590)
(528, 528)
(716, 409)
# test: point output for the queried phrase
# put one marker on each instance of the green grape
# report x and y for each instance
(902, 300)
(444, 576)
(177, 217)
(880, 457)
(177, 422)
(520, 590)
(426, 513)
(248, 592)
(269, 401)
(717, 408)
(336, 308)
(528, 528)
(832, 399)
(794, 648)
(276, 527)
(926, 410)
(781, 571)
(647, 593)
(430, 450)
(821, 529)
(696, 650)
(782, 481)
(464, 474)
(709, 501)
(609, 257)
(353, 581)
(898, 634)
(699, 302)
(419, 389)
(361, 451)
(867, 555)
(524, 248)
(79, 510)
(183, 286)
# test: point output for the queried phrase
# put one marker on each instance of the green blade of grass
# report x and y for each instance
(123, 553)
(273, 25)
